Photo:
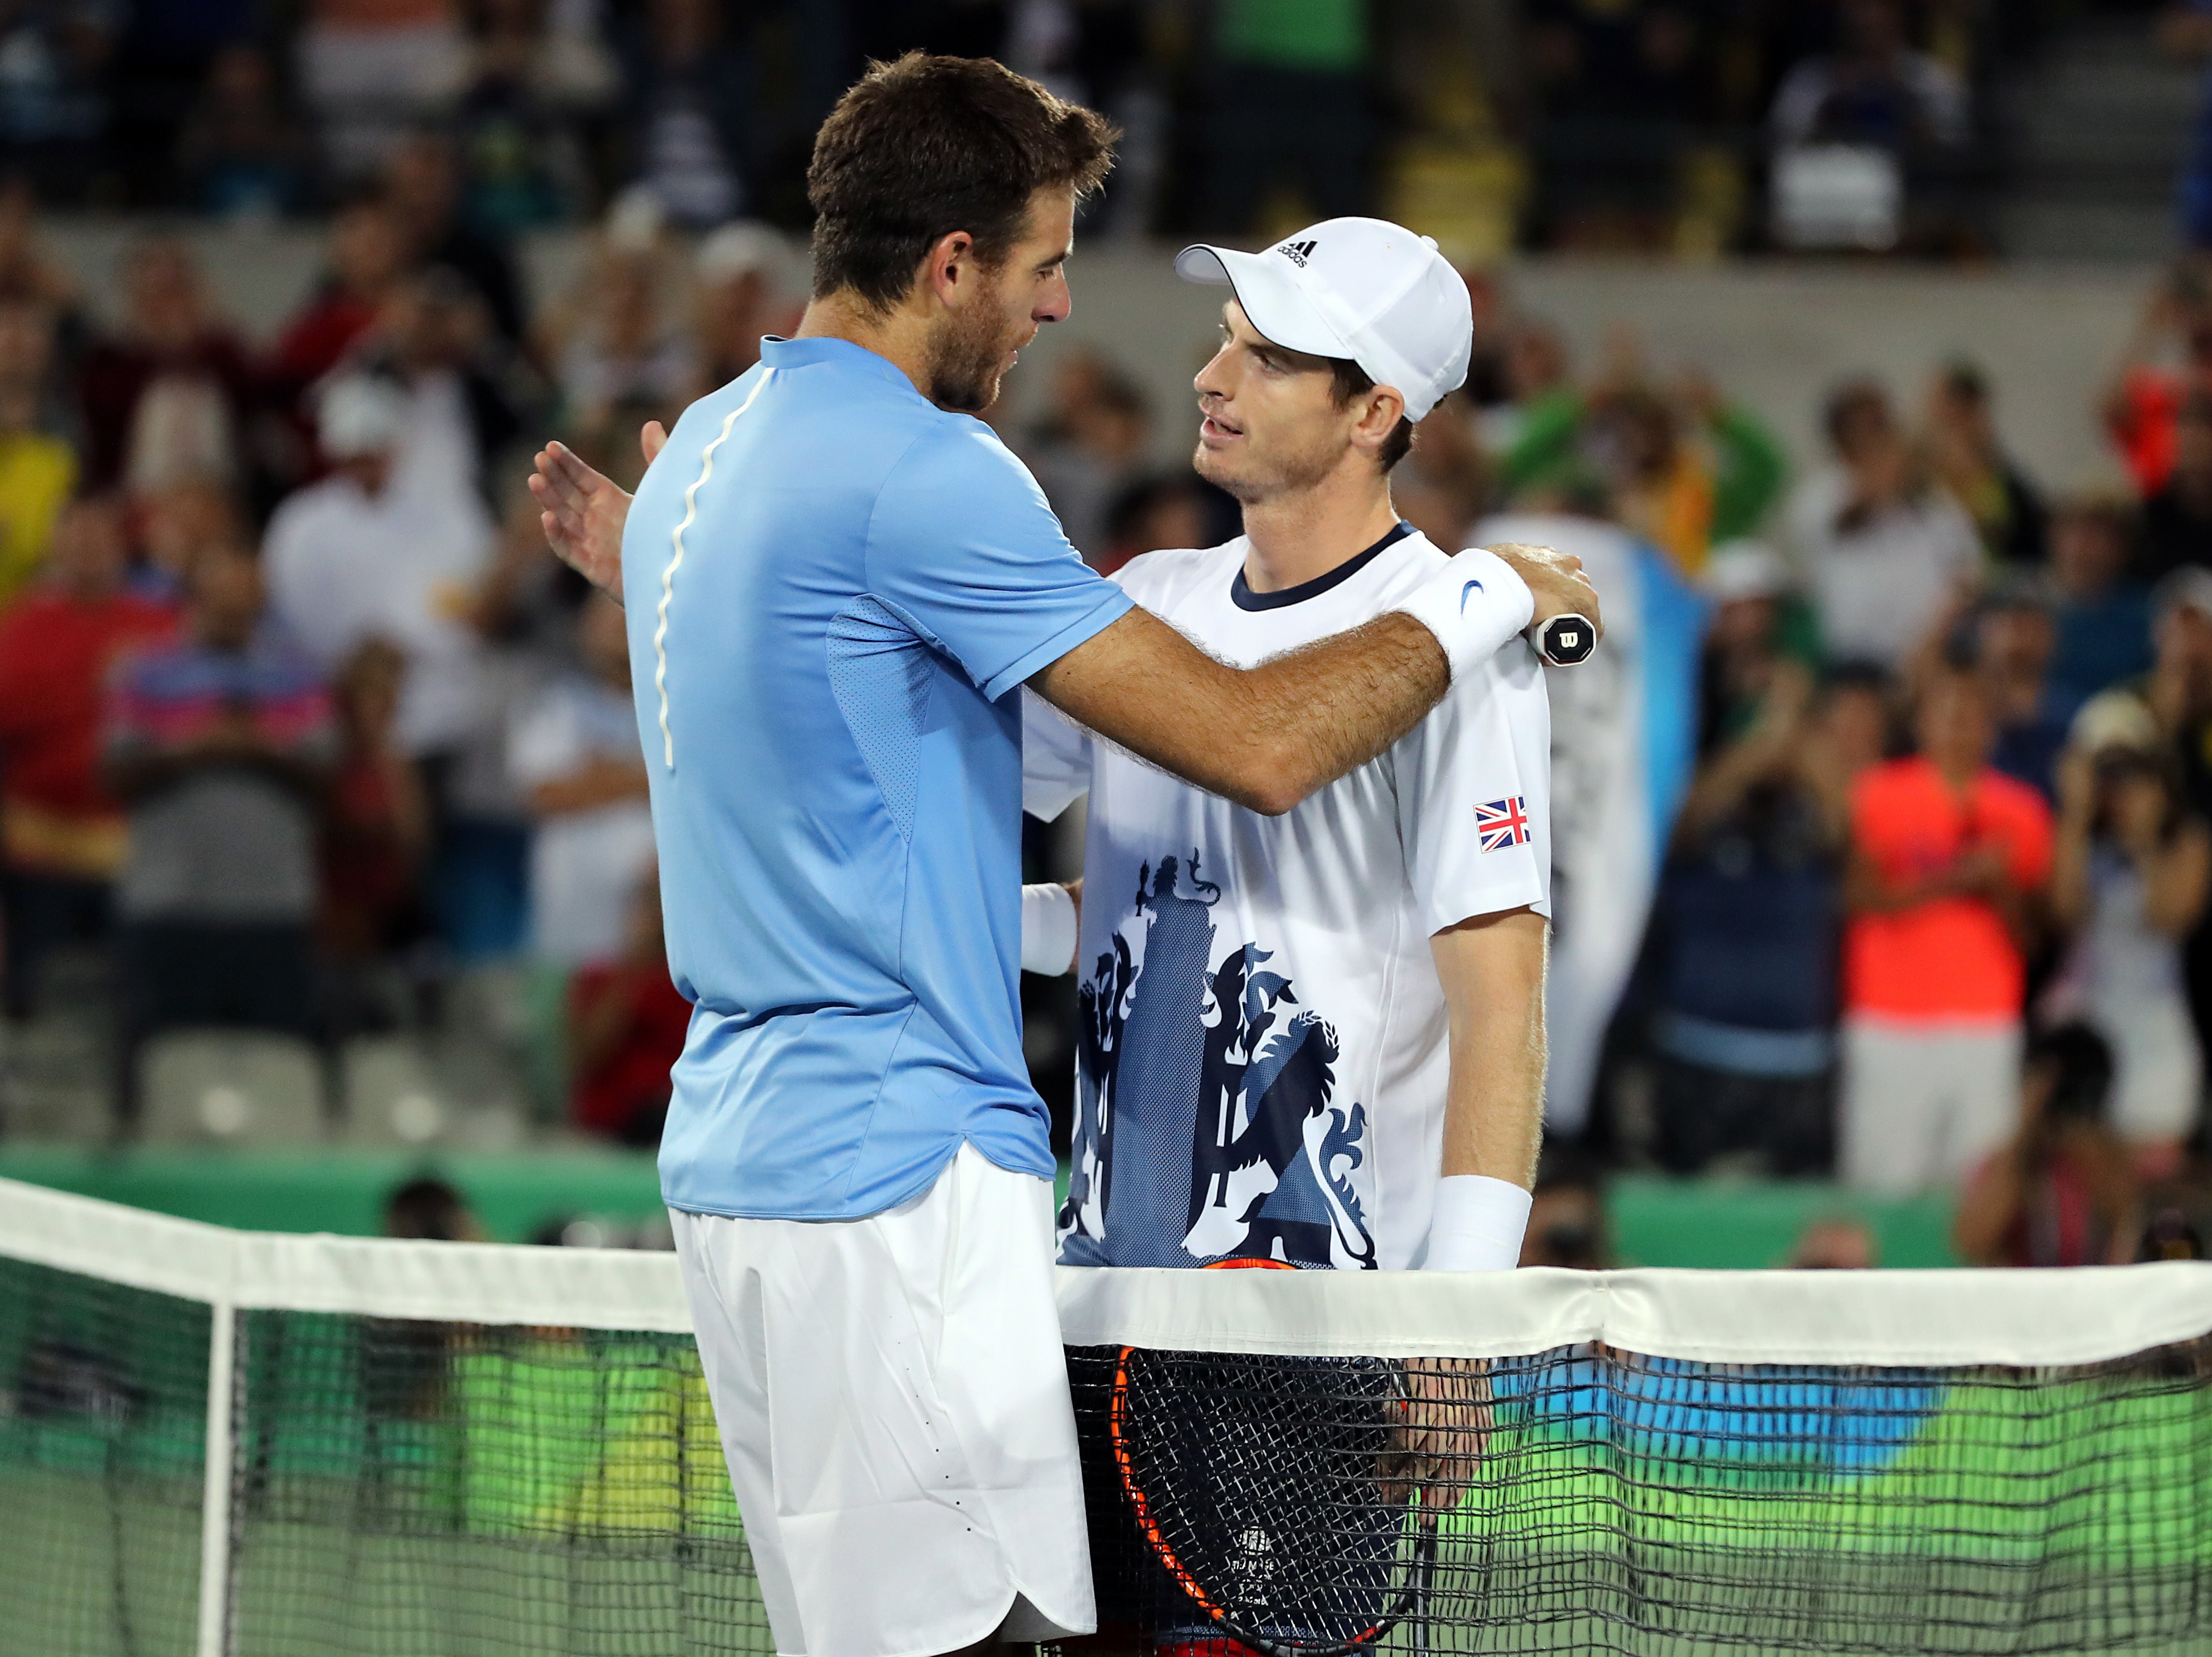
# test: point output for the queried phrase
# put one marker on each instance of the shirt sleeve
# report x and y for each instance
(1474, 783)
(963, 548)
(1055, 759)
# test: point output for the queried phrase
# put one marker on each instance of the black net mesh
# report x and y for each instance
(103, 1425)
(1591, 1500)
(421, 1489)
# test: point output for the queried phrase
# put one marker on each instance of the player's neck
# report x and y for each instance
(1301, 535)
(899, 337)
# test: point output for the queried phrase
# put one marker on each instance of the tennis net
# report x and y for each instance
(225, 1442)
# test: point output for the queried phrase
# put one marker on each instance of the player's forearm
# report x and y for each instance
(1264, 737)
(1493, 972)
(1317, 713)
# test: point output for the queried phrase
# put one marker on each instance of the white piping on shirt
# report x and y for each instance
(668, 575)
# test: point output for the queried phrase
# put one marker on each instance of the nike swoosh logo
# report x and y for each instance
(1472, 586)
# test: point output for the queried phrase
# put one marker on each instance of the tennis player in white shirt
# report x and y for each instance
(1315, 1039)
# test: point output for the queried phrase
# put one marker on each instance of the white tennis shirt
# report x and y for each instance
(1262, 1063)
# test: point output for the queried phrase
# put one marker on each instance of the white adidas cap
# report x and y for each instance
(1362, 289)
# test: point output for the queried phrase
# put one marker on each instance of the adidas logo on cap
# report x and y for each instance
(1298, 252)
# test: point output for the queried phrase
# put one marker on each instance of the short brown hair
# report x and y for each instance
(918, 148)
(1350, 380)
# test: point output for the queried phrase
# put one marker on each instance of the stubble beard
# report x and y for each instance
(964, 358)
(1262, 483)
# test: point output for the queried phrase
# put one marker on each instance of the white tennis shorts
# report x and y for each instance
(892, 1397)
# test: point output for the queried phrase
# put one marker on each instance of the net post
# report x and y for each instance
(215, 1499)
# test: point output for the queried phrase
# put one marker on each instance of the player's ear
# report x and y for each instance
(949, 267)
(1380, 410)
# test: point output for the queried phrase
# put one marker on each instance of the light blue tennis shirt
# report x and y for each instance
(833, 587)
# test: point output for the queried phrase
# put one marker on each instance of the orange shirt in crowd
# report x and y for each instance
(1950, 959)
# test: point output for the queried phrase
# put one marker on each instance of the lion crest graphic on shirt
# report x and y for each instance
(1207, 1126)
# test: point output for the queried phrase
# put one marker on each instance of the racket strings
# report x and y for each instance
(1273, 1492)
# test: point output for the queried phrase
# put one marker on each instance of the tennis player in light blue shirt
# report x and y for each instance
(836, 579)
(846, 580)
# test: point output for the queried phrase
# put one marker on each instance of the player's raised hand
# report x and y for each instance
(583, 510)
(1557, 581)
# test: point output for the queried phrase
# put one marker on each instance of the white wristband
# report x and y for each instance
(1477, 1225)
(1047, 929)
(1474, 604)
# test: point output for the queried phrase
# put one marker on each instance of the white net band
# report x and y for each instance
(2015, 1319)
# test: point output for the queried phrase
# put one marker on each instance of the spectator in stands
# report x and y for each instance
(426, 1208)
(738, 302)
(687, 123)
(1685, 470)
(1567, 1225)
(532, 79)
(1622, 90)
(1970, 462)
(355, 557)
(1835, 1244)
(1887, 550)
(368, 255)
(626, 360)
(60, 832)
(2059, 1192)
(371, 68)
(1874, 91)
(38, 465)
(2141, 404)
(176, 523)
(2129, 879)
(240, 152)
(56, 100)
(1761, 634)
(1154, 514)
(2185, 31)
(423, 187)
(1091, 445)
(2014, 637)
(1535, 373)
(627, 1023)
(1946, 854)
(574, 754)
(1747, 918)
(170, 396)
(27, 272)
(465, 399)
(2102, 617)
(2176, 521)
(376, 827)
(2169, 712)
(220, 745)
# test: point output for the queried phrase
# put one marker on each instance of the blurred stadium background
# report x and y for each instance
(1869, 344)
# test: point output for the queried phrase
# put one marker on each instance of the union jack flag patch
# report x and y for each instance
(1501, 823)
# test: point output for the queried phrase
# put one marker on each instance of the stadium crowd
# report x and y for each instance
(1691, 124)
(299, 720)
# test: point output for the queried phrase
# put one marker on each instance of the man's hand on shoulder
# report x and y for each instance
(583, 510)
(1555, 580)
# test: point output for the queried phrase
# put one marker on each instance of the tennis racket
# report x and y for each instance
(1257, 1482)
(1567, 640)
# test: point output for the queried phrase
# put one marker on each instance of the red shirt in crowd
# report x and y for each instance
(632, 1079)
(2143, 428)
(1951, 959)
(56, 653)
